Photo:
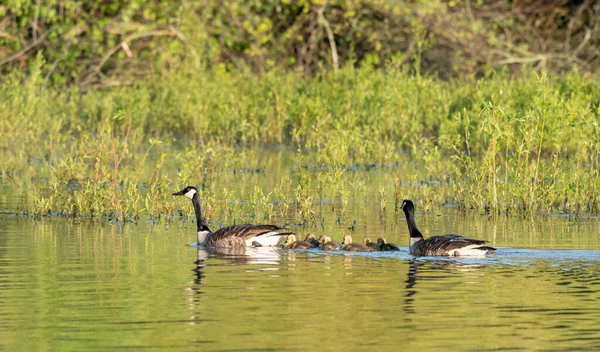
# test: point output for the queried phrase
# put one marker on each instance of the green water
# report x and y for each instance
(69, 286)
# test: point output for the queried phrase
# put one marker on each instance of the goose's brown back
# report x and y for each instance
(237, 235)
(442, 245)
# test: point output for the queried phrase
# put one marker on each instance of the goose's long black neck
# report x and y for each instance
(202, 226)
(412, 225)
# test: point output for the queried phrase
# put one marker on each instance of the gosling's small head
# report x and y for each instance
(256, 244)
(310, 237)
(189, 192)
(290, 239)
(347, 239)
(367, 240)
(381, 241)
(324, 239)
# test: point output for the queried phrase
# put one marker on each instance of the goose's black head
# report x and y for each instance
(408, 206)
(189, 192)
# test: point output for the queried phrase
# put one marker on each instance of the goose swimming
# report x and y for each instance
(447, 245)
(244, 235)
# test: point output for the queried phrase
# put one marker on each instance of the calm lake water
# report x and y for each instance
(77, 286)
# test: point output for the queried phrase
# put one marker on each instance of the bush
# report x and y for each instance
(97, 43)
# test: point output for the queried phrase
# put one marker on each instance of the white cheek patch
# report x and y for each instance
(190, 193)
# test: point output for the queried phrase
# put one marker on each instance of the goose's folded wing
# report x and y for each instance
(455, 237)
(443, 244)
(245, 231)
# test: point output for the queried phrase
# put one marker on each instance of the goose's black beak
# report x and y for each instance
(180, 193)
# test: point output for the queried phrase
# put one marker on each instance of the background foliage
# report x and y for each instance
(499, 145)
(106, 43)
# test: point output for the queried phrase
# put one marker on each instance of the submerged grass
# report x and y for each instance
(499, 145)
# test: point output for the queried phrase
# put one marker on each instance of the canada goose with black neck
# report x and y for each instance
(447, 245)
(244, 235)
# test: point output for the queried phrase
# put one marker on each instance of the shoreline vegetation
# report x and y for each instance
(503, 145)
(276, 109)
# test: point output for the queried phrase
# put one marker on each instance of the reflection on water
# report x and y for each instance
(238, 256)
(411, 280)
(233, 257)
(67, 286)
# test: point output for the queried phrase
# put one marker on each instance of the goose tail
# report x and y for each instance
(268, 239)
(487, 249)
(471, 251)
(273, 233)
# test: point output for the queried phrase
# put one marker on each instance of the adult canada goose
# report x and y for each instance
(291, 243)
(382, 245)
(447, 245)
(347, 245)
(312, 240)
(369, 244)
(329, 245)
(245, 235)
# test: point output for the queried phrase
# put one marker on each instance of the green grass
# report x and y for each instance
(499, 145)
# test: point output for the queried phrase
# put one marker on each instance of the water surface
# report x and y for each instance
(77, 286)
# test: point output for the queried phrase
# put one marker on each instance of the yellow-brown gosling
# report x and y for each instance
(329, 245)
(291, 243)
(369, 244)
(347, 245)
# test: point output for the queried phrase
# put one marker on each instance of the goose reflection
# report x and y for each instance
(412, 277)
(233, 256)
(419, 270)
(241, 255)
(411, 281)
(200, 264)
